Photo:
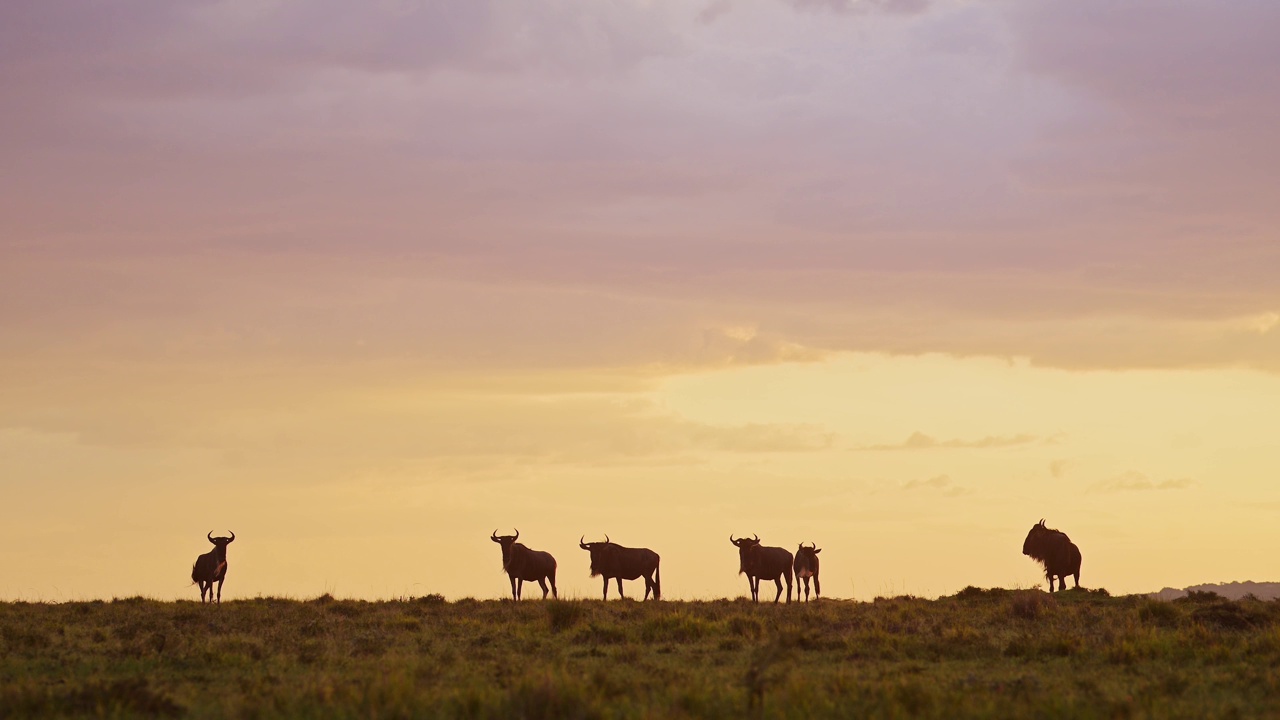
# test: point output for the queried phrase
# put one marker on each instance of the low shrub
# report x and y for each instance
(1159, 613)
(1031, 605)
(564, 614)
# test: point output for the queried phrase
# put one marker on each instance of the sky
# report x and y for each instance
(365, 282)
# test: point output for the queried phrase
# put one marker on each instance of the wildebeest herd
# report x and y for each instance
(611, 561)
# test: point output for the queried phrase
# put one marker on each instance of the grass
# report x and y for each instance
(980, 653)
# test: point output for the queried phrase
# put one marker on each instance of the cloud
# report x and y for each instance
(755, 171)
(938, 483)
(1188, 60)
(1136, 481)
(1261, 324)
(895, 7)
(714, 10)
(920, 441)
(130, 45)
(1058, 468)
(744, 345)
(322, 420)
(1177, 106)
(758, 437)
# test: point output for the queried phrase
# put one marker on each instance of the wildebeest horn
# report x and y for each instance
(1041, 522)
(233, 537)
(735, 542)
(606, 538)
(517, 537)
(210, 536)
(757, 537)
(494, 536)
(582, 543)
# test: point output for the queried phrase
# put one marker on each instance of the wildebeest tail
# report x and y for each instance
(657, 581)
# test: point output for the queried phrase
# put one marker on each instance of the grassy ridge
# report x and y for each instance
(979, 653)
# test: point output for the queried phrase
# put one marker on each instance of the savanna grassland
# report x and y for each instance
(980, 653)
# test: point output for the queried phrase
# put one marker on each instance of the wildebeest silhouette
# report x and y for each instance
(1055, 551)
(768, 563)
(521, 563)
(611, 560)
(211, 567)
(806, 566)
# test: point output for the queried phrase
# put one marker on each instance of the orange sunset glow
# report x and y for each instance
(364, 282)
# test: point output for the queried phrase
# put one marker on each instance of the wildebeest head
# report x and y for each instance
(599, 552)
(811, 551)
(506, 541)
(221, 542)
(744, 549)
(1040, 540)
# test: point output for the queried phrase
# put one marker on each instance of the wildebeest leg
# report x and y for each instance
(1077, 577)
(778, 582)
(519, 587)
(201, 584)
(219, 592)
(543, 584)
(620, 593)
(551, 578)
(606, 588)
(755, 589)
(805, 580)
(751, 587)
(514, 595)
(1050, 577)
(789, 588)
(817, 588)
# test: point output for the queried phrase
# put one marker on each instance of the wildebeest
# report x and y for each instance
(611, 560)
(768, 563)
(211, 567)
(806, 566)
(1055, 551)
(521, 563)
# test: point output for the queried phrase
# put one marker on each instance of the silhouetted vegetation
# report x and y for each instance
(980, 653)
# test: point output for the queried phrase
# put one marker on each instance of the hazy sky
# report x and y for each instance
(364, 282)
